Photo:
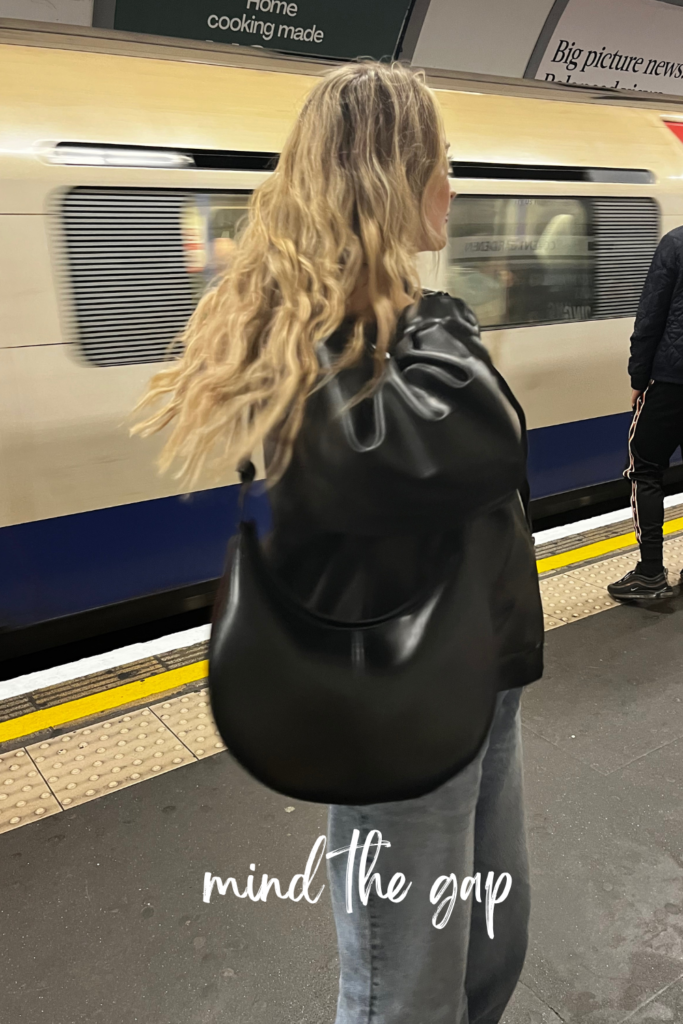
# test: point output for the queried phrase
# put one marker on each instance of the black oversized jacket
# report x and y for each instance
(657, 339)
(424, 479)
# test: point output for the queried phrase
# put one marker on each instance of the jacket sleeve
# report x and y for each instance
(653, 311)
(440, 440)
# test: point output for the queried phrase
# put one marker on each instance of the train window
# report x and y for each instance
(526, 260)
(137, 261)
(209, 223)
(520, 260)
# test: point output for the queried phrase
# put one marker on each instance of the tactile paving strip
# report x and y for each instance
(673, 558)
(95, 683)
(550, 623)
(24, 794)
(600, 574)
(608, 570)
(98, 682)
(184, 656)
(15, 707)
(190, 718)
(576, 540)
(566, 598)
(87, 763)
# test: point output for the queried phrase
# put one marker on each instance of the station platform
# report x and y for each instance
(103, 864)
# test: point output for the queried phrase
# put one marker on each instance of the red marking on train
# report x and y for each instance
(677, 128)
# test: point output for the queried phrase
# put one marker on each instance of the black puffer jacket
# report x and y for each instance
(657, 340)
(382, 498)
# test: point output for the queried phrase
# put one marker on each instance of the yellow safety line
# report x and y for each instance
(84, 707)
(600, 547)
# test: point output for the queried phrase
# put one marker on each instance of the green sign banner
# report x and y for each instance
(321, 28)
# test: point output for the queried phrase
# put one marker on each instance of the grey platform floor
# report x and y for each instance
(101, 912)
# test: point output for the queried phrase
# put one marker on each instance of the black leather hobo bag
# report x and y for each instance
(388, 709)
(349, 713)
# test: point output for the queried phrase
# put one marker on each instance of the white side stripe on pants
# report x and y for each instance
(631, 465)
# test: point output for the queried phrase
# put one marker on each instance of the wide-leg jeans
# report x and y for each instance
(396, 967)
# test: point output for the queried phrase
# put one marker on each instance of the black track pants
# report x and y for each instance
(655, 434)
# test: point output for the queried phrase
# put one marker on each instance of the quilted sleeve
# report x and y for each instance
(653, 311)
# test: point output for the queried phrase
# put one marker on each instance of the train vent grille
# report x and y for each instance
(125, 264)
(626, 236)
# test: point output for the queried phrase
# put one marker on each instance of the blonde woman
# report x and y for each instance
(319, 343)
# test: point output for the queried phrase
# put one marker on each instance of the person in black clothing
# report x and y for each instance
(656, 370)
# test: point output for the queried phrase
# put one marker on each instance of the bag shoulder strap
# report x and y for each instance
(247, 475)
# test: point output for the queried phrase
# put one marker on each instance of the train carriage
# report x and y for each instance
(126, 166)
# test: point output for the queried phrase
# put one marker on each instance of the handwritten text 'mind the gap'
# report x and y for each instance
(444, 891)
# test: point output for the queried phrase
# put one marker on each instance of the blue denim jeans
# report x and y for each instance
(396, 967)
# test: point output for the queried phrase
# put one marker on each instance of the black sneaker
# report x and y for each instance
(634, 586)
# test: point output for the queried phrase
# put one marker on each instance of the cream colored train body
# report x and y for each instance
(85, 520)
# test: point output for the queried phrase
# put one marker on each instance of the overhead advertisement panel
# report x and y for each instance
(614, 44)
(321, 28)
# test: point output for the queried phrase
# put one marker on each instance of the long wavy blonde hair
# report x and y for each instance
(344, 204)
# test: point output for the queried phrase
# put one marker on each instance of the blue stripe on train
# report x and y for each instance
(577, 454)
(73, 563)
